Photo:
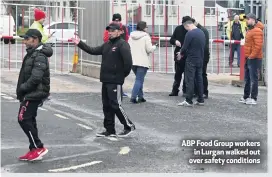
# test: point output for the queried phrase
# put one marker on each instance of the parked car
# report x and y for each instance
(64, 30)
(7, 28)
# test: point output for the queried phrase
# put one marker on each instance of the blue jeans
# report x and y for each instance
(251, 78)
(234, 47)
(140, 73)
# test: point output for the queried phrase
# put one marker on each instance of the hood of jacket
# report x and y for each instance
(136, 35)
(260, 25)
(46, 49)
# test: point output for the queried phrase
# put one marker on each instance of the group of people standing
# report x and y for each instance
(121, 54)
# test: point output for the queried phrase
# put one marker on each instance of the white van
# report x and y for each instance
(7, 28)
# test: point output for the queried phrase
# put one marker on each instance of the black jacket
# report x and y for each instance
(34, 78)
(206, 49)
(116, 60)
(179, 34)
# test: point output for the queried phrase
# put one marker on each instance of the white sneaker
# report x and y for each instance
(251, 101)
(185, 103)
(242, 100)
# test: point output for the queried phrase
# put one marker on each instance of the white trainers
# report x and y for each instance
(199, 103)
(185, 103)
(242, 100)
(251, 101)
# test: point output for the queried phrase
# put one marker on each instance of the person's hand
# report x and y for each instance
(179, 56)
(178, 43)
(76, 39)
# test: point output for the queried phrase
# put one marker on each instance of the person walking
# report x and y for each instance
(253, 54)
(141, 48)
(194, 44)
(177, 39)
(33, 88)
(115, 67)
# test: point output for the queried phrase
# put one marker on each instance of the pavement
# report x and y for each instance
(69, 121)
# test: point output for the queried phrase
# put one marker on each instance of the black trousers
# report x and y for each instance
(27, 120)
(112, 99)
(179, 70)
(193, 73)
(205, 80)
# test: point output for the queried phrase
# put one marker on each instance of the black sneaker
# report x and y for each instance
(205, 96)
(173, 94)
(127, 132)
(141, 100)
(134, 101)
(105, 133)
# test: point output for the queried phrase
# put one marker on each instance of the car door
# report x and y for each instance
(60, 30)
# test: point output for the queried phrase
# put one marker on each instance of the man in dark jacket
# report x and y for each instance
(32, 88)
(177, 39)
(115, 67)
(206, 60)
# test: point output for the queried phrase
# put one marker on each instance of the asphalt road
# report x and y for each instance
(161, 62)
(67, 125)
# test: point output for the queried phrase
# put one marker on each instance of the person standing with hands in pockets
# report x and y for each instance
(115, 67)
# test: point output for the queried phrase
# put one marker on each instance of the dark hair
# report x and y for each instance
(186, 18)
(141, 25)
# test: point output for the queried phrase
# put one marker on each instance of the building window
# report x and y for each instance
(124, 1)
(64, 9)
(160, 7)
(148, 7)
(58, 4)
(173, 8)
(133, 1)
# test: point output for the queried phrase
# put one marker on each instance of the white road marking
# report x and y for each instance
(112, 138)
(61, 116)
(84, 126)
(8, 97)
(75, 167)
(2, 94)
(42, 109)
(124, 150)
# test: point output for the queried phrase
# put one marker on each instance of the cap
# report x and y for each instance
(32, 33)
(38, 14)
(251, 15)
(113, 26)
(116, 16)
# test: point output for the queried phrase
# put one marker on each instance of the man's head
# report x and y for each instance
(141, 26)
(251, 19)
(32, 38)
(39, 15)
(188, 18)
(116, 18)
(189, 25)
(114, 30)
(236, 18)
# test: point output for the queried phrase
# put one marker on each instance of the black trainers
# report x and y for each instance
(105, 133)
(127, 132)
(173, 94)
(141, 100)
(205, 96)
(134, 101)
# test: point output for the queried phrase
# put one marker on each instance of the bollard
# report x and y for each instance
(242, 60)
(75, 61)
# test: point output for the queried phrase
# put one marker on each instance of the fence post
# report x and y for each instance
(242, 60)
